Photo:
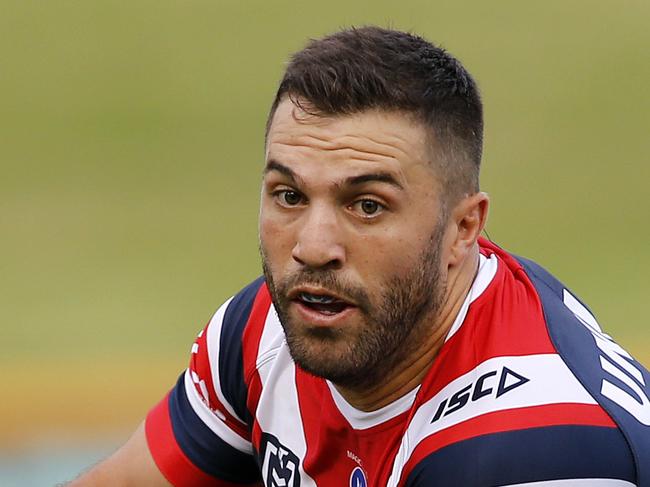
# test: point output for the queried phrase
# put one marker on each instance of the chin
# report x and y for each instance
(332, 355)
(321, 351)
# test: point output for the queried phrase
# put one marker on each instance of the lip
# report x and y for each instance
(318, 319)
(294, 294)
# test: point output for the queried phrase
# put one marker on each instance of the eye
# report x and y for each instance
(368, 207)
(288, 197)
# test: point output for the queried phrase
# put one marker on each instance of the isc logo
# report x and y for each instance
(493, 383)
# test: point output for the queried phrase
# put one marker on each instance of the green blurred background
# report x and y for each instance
(130, 158)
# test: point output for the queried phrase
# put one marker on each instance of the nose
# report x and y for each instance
(319, 240)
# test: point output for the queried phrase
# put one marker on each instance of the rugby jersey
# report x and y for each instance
(526, 390)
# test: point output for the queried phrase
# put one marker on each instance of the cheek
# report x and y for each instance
(275, 239)
(395, 251)
(386, 254)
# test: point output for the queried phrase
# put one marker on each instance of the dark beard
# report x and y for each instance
(393, 328)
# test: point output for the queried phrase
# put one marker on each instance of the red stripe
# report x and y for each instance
(254, 391)
(510, 420)
(253, 332)
(169, 458)
(256, 435)
(316, 428)
(251, 339)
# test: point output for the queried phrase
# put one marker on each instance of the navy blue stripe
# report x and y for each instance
(203, 447)
(231, 360)
(578, 349)
(532, 455)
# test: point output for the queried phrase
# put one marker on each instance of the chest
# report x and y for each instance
(302, 438)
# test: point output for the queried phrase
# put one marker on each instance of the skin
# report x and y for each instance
(331, 230)
(315, 218)
(130, 466)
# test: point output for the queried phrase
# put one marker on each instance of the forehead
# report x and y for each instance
(391, 139)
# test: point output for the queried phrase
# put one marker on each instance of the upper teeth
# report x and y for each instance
(316, 298)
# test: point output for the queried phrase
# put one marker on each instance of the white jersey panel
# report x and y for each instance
(278, 411)
(487, 269)
(361, 420)
(270, 343)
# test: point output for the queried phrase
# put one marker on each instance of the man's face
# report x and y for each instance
(350, 232)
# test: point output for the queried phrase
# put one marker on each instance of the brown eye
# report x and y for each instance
(290, 198)
(368, 208)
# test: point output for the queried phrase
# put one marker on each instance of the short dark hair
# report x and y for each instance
(365, 68)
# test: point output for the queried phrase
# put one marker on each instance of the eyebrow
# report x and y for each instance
(273, 165)
(381, 176)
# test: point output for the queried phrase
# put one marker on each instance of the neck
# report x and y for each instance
(410, 373)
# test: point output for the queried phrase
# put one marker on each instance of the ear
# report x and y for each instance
(467, 220)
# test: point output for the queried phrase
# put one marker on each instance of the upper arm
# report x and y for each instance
(131, 465)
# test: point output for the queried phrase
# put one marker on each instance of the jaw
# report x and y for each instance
(327, 348)
(341, 355)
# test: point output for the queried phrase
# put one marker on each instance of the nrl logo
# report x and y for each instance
(280, 465)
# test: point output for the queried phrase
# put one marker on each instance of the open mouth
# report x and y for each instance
(322, 303)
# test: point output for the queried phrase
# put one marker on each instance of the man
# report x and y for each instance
(388, 344)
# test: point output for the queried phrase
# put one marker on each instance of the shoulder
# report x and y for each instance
(547, 395)
(617, 382)
(225, 350)
(200, 433)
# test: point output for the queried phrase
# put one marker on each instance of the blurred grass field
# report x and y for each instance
(130, 158)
